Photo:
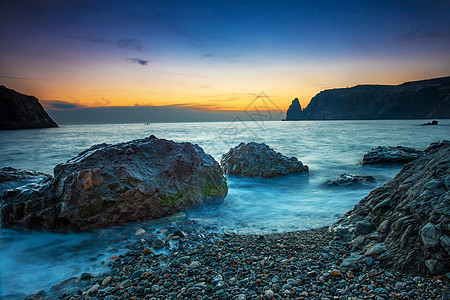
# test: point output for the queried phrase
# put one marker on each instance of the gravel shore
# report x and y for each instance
(187, 260)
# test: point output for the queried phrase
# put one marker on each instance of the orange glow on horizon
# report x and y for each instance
(203, 89)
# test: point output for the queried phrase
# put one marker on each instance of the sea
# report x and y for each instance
(32, 261)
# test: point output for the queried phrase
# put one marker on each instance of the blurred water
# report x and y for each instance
(34, 260)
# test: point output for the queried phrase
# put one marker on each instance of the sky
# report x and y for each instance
(214, 56)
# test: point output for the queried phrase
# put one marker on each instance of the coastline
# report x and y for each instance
(197, 262)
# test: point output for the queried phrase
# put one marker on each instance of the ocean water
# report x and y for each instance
(33, 261)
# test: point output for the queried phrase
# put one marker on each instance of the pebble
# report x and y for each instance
(140, 231)
(106, 281)
(269, 294)
(158, 243)
(194, 265)
(210, 265)
(137, 275)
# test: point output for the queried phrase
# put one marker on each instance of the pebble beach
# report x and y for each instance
(187, 260)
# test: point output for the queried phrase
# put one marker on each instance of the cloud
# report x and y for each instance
(421, 33)
(130, 44)
(59, 105)
(124, 43)
(137, 60)
(101, 102)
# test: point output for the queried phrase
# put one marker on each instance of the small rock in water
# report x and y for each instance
(86, 276)
(177, 216)
(140, 231)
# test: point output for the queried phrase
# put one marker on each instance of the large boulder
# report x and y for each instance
(114, 184)
(254, 159)
(390, 154)
(407, 220)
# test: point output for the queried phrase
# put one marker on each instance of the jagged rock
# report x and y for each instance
(294, 113)
(254, 159)
(410, 214)
(349, 179)
(436, 145)
(11, 178)
(390, 154)
(19, 111)
(383, 102)
(113, 184)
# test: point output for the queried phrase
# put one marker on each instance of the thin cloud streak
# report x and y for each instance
(138, 60)
(124, 43)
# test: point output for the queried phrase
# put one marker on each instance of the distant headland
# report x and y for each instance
(19, 111)
(423, 99)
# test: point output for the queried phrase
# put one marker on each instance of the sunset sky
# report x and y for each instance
(211, 55)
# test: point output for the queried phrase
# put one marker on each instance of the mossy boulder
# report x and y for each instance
(108, 185)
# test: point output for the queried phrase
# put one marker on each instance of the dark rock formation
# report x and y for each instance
(390, 154)
(294, 113)
(254, 159)
(11, 178)
(349, 179)
(114, 184)
(411, 100)
(19, 111)
(434, 122)
(407, 220)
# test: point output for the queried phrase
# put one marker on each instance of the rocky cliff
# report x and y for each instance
(407, 220)
(423, 99)
(19, 111)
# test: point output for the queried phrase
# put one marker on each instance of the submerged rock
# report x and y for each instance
(349, 179)
(407, 219)
(113, 184)
(254, 159)
(390, 154)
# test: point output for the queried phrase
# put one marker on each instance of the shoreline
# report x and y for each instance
(200, 263)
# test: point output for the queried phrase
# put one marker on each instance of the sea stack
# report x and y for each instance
(19, 111)
(294, 113)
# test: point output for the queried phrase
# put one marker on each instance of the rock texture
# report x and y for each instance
(390, 154)
(114, 184)
(411, 100)
(19, 111)
(11, 178)
(349, 179)
(254, 159)
(407, 220)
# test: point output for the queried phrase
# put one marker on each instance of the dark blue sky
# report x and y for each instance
(213, 55)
